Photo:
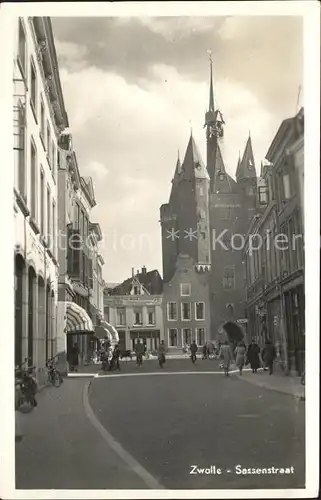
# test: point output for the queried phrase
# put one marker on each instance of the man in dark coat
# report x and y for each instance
(74, 358)
(193, 351)
(269, 355)
(253, 356)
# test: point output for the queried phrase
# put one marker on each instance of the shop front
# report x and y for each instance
(151, 339)
(295, 308)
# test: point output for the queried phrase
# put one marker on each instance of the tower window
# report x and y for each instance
(264, 195)
(186, 311)
(171, 311)
(185, 289)
(225, 213)
(229, 278)
(199, 310)
(172, 337)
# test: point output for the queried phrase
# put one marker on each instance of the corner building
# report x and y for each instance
(204, 278)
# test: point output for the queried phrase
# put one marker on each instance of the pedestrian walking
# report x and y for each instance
(205, 351)
(139, 349)
(240, 353)
(161, 354)
(115, 358)
(253, 356)
(74, 358)
(269, 355)
(193, 351)
(264, 330)
(226, 357)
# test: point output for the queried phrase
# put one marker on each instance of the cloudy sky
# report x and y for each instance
(135, 87)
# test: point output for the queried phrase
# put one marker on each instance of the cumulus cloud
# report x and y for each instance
(139, 88)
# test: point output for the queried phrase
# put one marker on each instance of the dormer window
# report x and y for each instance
(264, 195)
(136, 290)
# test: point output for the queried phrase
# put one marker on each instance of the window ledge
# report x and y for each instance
(48, 161)
(50, 253)
(34, 112)
(42, 141)
(34, 226)
(22, 203)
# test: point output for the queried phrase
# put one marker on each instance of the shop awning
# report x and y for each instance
(78, 320)
(111, 329)
(101, 332)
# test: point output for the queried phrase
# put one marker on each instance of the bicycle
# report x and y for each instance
(25, 387)
(54, 377)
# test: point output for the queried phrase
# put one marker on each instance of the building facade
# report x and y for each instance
(39, 117)
(186, 313)
(207, 208)
(97, 296)
(77, 250)
(135, 308)
(274, 252)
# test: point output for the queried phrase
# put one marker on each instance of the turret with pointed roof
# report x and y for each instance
(223, 182)
(246, 167)
(175, 180)
(193, 166)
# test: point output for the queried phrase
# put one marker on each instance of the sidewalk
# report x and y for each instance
(276, 382)
(61, 449)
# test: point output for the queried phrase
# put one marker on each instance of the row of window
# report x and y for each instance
(271, 260)
(45, 129)
(186, 311)
(81, 221)
(184, 336)
(44, 216)
(282, 186)
(137, 318)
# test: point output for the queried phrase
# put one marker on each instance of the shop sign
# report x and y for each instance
(242, 321)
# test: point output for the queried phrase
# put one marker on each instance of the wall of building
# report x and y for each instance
(199, 292)
(35, 211)
(129, 303)
(226, 214)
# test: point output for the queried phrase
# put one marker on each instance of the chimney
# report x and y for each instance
(144, 270)
(133, 272)
(137, 271)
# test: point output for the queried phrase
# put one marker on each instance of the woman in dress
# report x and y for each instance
(226, 357)
(240, 352)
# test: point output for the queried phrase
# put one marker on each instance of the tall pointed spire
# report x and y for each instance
(211, 102)
(246, 168)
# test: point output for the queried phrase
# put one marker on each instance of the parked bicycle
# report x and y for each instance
(25, 387)
(54, 377)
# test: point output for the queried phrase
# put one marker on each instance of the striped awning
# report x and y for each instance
(111, 329)
(101, 332)
(78, 320)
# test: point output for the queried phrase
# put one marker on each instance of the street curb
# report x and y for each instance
(111, 442)
(300, 397)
